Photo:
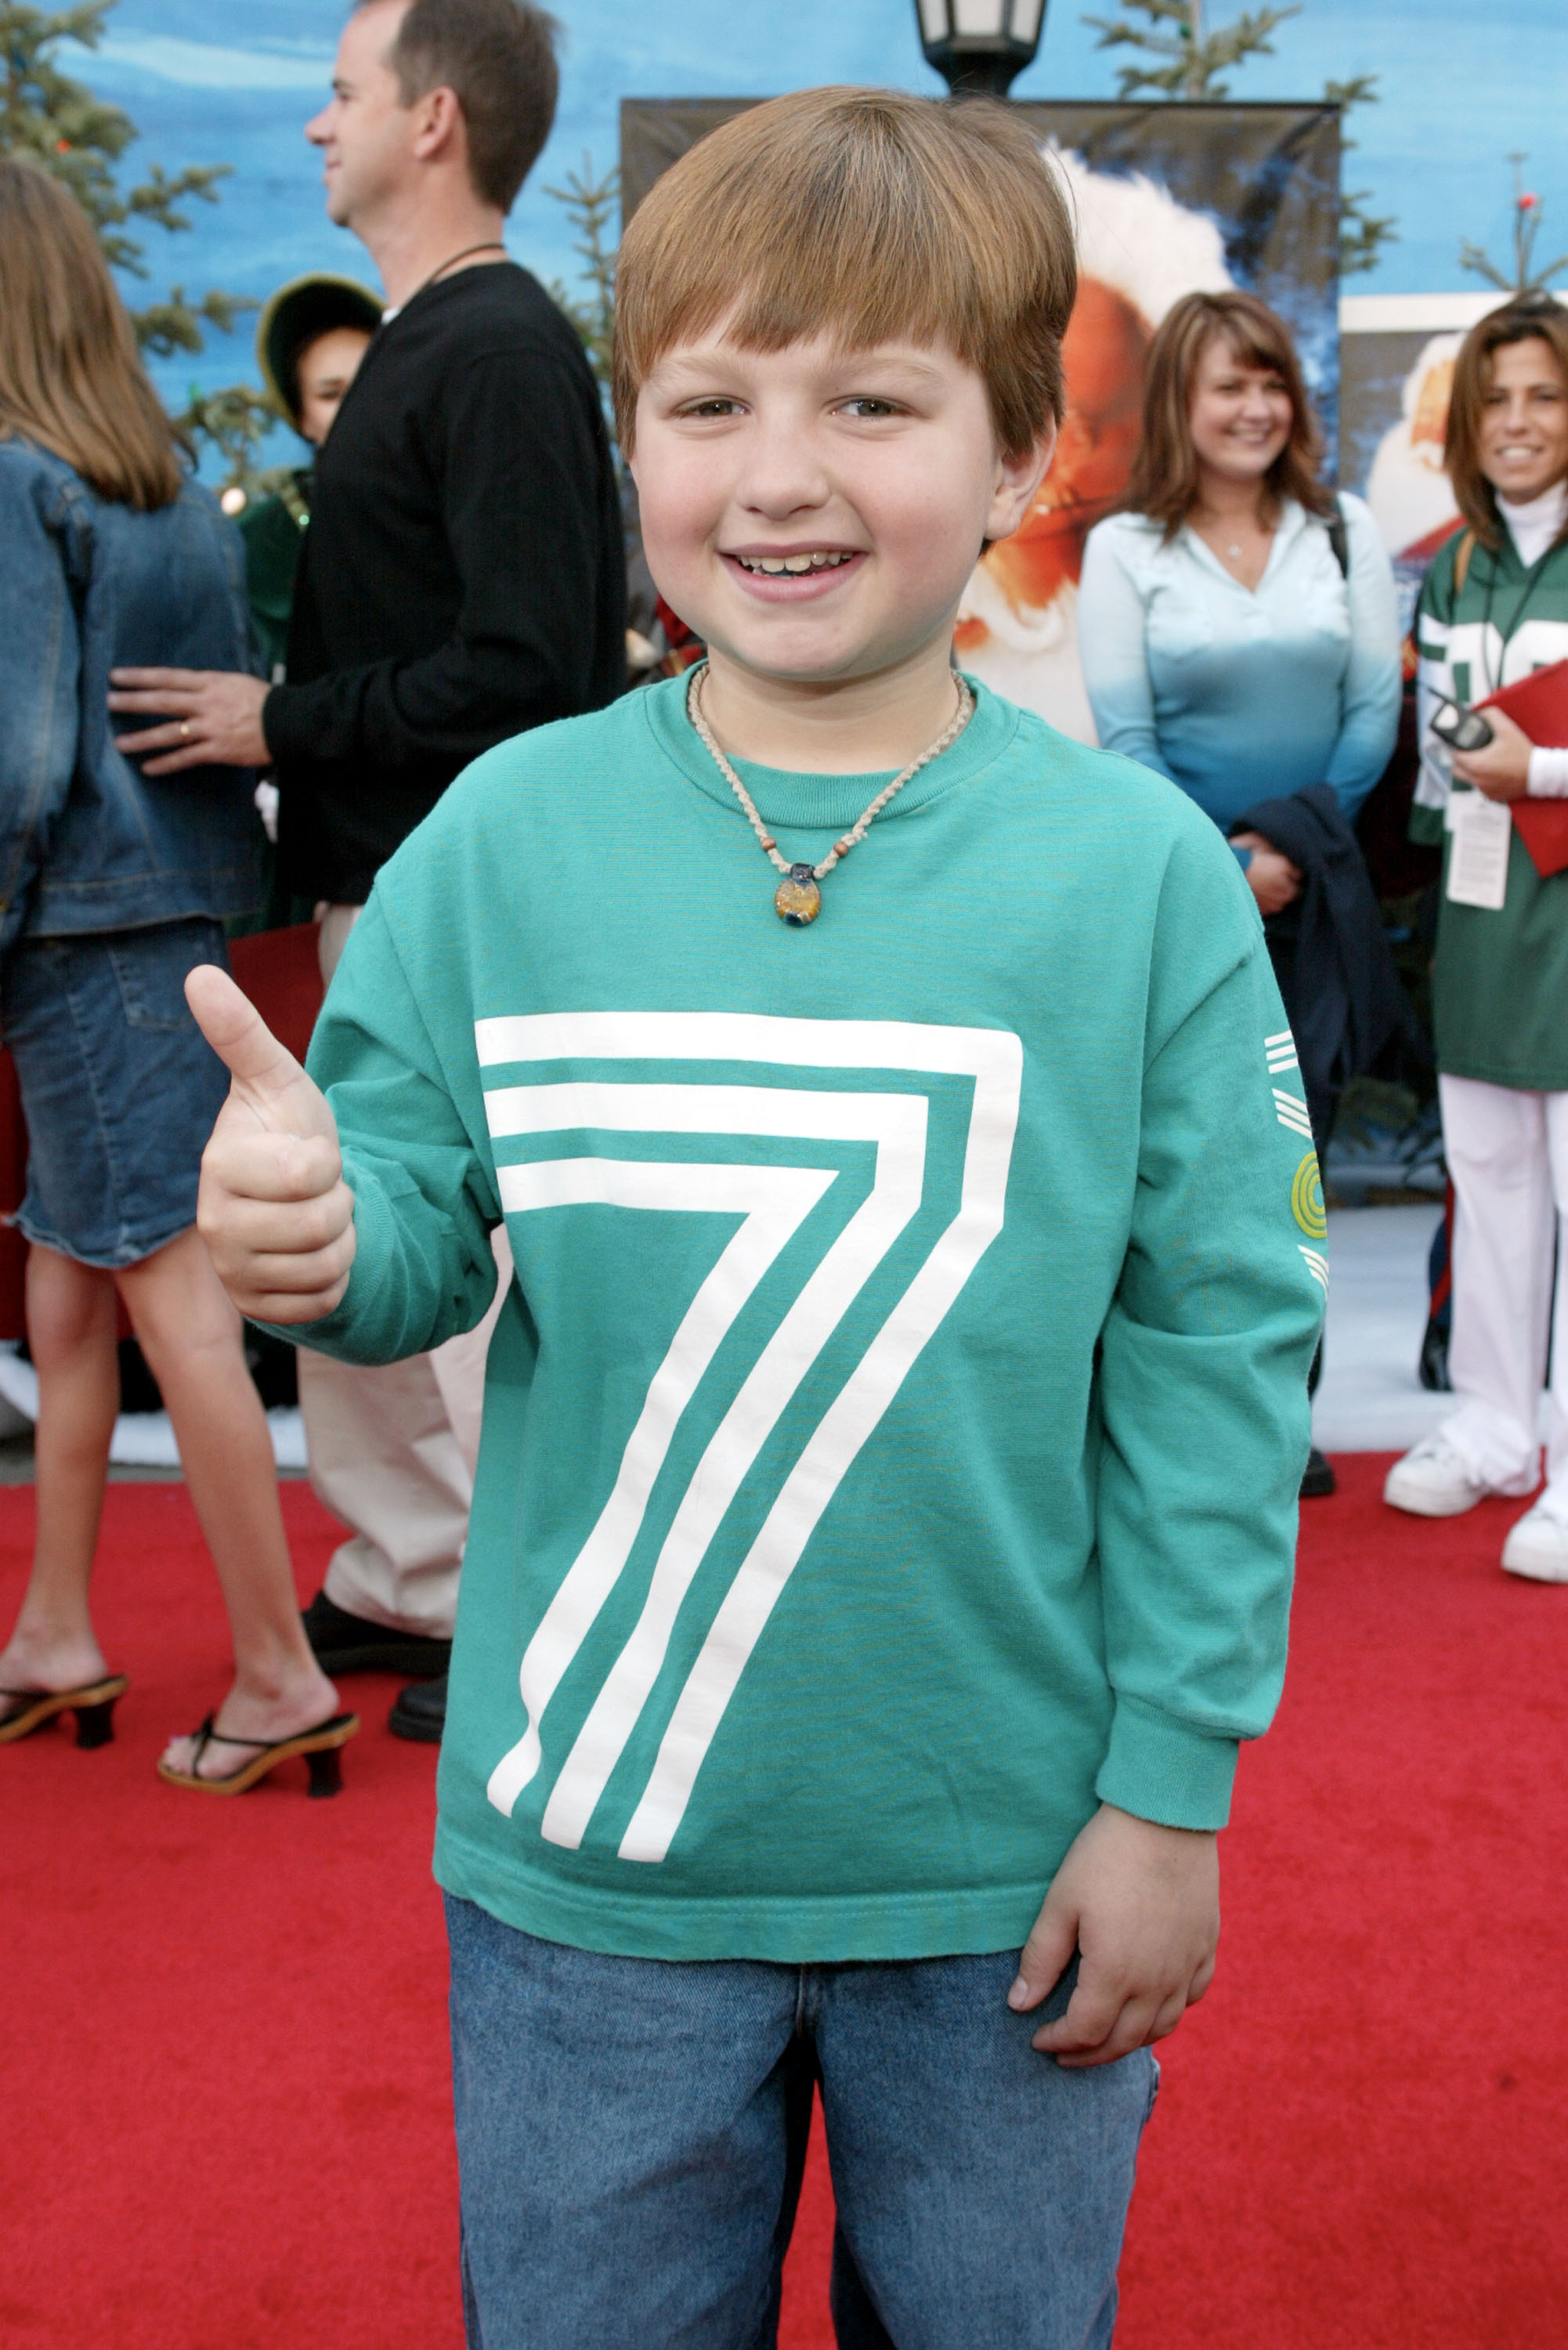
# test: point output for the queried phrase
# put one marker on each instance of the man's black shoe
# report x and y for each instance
(342, 1643)
(1319, 1479)
(421, 1712)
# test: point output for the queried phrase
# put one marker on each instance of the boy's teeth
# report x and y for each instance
(773, 565)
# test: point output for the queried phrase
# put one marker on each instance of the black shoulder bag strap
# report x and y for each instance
(1339, 538)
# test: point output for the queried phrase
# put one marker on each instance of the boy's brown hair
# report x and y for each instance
(1528, 317)
(869, 215)
(1165, 473)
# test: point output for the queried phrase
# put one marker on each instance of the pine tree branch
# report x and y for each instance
(1194, 61)
(1474, 258)
(1362, 235)
(156, 198)
(79, 139)
(590, 205)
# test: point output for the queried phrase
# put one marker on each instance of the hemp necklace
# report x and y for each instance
(797, 901)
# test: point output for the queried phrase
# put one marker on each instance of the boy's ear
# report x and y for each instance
(1017, 480)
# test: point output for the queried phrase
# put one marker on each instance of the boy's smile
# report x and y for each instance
(789, 574)
(815, 513)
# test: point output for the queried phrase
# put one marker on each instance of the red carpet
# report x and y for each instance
(226, 2111)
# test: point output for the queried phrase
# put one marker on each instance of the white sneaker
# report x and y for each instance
(1538, 1546)
(1432, 1482)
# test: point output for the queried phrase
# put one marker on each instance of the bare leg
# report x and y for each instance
(192, 1338)
(70, 1329)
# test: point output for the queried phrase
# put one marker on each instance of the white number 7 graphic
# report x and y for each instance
(774, 1201)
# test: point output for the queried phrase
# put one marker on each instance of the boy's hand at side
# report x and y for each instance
(1141, 1904)
(274, 1210)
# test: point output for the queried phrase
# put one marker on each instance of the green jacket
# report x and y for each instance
(274, 532)
(1500, 980)
(893, 1433)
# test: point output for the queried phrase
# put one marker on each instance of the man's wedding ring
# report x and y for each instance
(185, 728)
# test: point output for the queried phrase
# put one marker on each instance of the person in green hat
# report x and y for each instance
(311, 338)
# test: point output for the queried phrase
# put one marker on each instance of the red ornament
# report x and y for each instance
(1528, 203)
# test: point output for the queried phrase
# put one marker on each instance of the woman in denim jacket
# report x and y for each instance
(113, 885)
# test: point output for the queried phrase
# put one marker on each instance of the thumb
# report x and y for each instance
(1048, 1952)
(282, 1097)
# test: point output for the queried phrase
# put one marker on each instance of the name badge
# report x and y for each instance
(1482, 831)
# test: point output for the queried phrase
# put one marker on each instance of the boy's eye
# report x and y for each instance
(867, 404)
(717, 406)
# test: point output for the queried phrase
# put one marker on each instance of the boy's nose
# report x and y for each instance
(783, 480)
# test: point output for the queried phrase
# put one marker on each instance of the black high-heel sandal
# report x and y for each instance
(318, 1747)
(93, 1705)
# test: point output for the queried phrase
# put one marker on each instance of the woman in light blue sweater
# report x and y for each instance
(1237, 621)
(1237, 624)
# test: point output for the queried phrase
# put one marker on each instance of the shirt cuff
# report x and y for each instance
(1162, 1769)
(360, 1330)
(1548, 777)
(286, 725)
(270, 710)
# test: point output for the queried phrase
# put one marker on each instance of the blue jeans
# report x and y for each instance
(632, 2135)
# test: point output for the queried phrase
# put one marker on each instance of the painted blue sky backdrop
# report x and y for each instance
(232, 81)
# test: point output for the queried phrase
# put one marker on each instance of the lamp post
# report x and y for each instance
(980, 46)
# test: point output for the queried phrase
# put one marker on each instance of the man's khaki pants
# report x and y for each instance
(392, 1448)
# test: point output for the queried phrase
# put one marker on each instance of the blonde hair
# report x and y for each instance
(1165, 476)
(865, 215)
(70, 377)
(1528, 317)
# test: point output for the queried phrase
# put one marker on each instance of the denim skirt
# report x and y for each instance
(119, 1087)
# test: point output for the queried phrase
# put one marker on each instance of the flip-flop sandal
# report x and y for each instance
(93, 1704)
(318, 1747)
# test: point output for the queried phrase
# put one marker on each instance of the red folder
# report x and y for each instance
(1539, 705)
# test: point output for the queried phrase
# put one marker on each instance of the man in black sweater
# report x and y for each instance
(463, 579)
(459, 578)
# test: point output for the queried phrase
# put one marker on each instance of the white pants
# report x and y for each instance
(393, 1447)
(1508, 1154)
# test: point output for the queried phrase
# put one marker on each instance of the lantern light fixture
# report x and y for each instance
(979, 46)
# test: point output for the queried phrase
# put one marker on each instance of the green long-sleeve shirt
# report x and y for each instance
(892, 1435)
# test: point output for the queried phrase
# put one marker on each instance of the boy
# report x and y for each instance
(885, 1504)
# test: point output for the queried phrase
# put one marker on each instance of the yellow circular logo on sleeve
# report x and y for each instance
(1306, 1199)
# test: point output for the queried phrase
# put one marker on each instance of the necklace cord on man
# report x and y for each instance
(797, 901)
(491, 244)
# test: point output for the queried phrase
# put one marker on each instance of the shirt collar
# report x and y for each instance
(827, 803)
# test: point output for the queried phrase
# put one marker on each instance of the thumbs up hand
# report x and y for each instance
(274, 1210)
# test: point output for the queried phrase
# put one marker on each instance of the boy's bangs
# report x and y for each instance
(864, 216)
(870, 286)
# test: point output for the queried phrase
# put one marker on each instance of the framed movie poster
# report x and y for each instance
(1170, 200)
(1395, 382)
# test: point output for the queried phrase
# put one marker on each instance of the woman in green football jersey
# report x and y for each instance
(1494, 607)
